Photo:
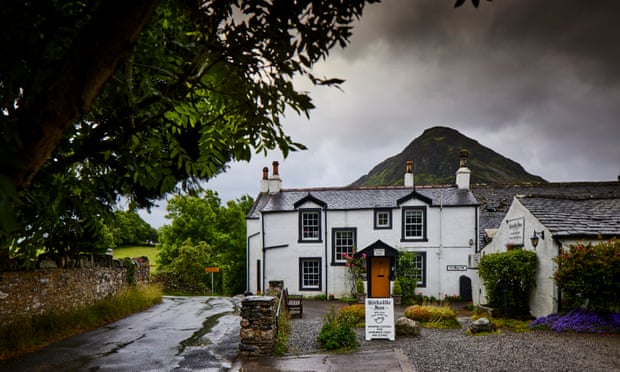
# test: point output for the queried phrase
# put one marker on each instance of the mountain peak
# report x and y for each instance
(435, 155)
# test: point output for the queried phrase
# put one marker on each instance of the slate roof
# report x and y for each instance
(570, 217)
(348, 198)
(496, 199)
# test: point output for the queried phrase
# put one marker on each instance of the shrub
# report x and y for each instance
(284, 331)
(433, 316)
(580, 321)
(359, 286)
(590, 275)
(508, 278)
(407, 274)
(353, 314)
(337, 334)
(396, 288)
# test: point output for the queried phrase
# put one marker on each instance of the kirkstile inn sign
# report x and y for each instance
(380, 319)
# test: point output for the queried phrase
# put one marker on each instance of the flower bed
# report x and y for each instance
(580, 321)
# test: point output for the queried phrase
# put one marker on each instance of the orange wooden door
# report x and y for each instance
(380, 277)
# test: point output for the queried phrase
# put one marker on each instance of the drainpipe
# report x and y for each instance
(262, 220)
(440, 239)
(326, 263)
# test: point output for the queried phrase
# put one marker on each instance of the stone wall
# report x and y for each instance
(258, 325)
(35, 292)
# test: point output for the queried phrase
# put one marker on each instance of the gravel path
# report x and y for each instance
(453, 350)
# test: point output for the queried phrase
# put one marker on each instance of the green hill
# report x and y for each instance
(435, 155)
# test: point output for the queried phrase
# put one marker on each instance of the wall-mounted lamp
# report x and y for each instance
(535, 237)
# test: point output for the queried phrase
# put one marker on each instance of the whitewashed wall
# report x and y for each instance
(543, 299)
(449, 232)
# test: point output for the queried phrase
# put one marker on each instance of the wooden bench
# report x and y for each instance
(294, 303)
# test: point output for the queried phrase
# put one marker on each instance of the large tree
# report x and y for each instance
(214, 233)
(102, 99)
(106, 98)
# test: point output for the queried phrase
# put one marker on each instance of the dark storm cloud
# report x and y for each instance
(535, 80)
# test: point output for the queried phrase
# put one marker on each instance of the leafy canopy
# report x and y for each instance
(206, 83)
(205, 233)
(589, 275)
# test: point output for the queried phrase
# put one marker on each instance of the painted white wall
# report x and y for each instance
(544, 296)
(449, 231)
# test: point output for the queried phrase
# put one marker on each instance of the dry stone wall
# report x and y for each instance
(35, 292)
(258, 326)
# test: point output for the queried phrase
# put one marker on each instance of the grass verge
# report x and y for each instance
(30, 333)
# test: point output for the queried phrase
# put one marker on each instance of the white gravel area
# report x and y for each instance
(454, 350)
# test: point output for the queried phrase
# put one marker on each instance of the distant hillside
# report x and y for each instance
(435, 156)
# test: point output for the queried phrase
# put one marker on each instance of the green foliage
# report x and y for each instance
(508, 278)
(131, 270)
(284, 331)
(359, 286)
(36, 331)
(204, 233)
(198, 90)
(396, 288)
(407, 275)
(130, 229)
(354, 314)
(590, 275)
(337, 333)
(433, 316)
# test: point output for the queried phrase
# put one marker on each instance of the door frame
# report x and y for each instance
(379, 249)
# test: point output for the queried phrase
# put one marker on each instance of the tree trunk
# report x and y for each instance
(92, 59)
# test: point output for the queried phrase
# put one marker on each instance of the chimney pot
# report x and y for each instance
(265, 173)
(275, 168)
(408, 182)
(464, 156)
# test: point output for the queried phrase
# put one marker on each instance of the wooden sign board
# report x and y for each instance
(212, 269)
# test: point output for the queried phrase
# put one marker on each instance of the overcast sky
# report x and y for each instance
(536, 81)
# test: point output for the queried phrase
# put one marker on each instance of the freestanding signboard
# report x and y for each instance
(380, 319)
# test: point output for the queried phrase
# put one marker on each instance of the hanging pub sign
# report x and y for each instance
(380, 319)
(515, 231)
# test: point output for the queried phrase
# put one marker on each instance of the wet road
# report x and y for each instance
(180, 334)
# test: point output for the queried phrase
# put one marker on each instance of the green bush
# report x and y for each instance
(590, 275)
(433, 316)
(353, 314)
(396, 288)
(407, 275)
(337, 333)
(508, 278)
(359, 286)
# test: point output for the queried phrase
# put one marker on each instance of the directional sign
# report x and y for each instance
(212, 269)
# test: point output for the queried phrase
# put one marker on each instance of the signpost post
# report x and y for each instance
(212, 270)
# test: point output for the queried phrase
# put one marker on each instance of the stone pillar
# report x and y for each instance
(258, 326)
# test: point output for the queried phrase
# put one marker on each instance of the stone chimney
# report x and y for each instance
(275, 183)
(264, 182)
(463, 173)
(409, 174)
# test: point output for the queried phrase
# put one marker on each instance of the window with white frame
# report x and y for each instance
(414, 223)
(343, 243)
(383, 218)
(310, 225)
(310, 273)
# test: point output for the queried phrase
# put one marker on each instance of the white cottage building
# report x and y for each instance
(547, 224)
(301, 236)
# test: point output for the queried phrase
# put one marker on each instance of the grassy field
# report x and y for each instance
(138, 251)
